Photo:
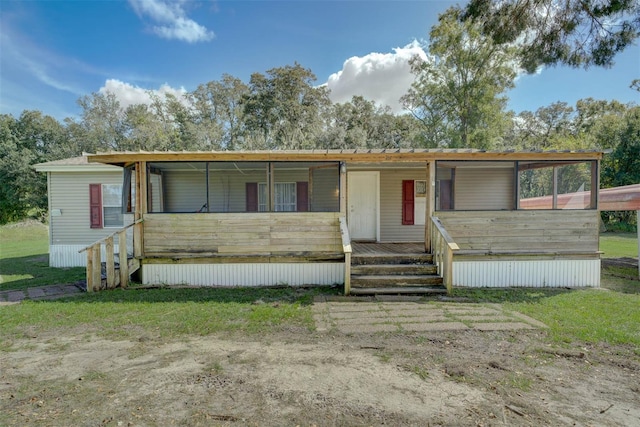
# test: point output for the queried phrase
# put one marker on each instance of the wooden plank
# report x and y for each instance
(350, 156)
(96, 268)
(277, 249)
(347, 273)
(124, 265)
(190, 258)
(89, 272)
(110, 264)
(431, 204)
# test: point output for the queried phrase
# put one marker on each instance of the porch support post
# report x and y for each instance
(430, 205)
(141, 208)
(343, 190)
(555, 188)
(595, 184)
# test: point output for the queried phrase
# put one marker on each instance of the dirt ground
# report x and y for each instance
(297, 377)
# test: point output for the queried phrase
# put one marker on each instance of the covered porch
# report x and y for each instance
(311, 217)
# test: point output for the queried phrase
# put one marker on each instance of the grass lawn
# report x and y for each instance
(619, 245)
(609, 315)
(24, 259)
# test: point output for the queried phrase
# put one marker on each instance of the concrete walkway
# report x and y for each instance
(402, 316)
(39, 293)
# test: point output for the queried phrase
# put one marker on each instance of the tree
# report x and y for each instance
(30, 139)
(573, 32)
(102, 118)
(283, 110)
(457, 93)
(218, 109)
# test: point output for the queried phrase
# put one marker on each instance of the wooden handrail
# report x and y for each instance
(94, 260)
(104, 239)
(346, 248)
(443, 248)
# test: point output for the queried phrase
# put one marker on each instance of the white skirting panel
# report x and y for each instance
(543, 273)
(68, 256)
(267, 274)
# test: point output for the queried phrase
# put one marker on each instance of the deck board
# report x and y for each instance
(362, 248)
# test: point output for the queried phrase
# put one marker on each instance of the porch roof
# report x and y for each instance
(346, 155)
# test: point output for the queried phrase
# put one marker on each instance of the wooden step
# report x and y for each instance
(395, 280)
(368, 259)
(428, 290)
(393, 269)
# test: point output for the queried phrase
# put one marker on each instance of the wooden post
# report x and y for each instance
(141, 208)
(555, 188)
(96, 270)
(430, 205)
(111, 265)
(124, 261)
(449, 269)
(343, 189)
(347, 273)
(89, 272)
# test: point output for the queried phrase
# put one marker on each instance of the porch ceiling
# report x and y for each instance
(350, 156)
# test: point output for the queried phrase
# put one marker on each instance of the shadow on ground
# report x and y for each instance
(34, 270)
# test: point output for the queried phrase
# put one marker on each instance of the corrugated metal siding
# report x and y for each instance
(391, 228)
(483, 188)
(69, 192)
(530, 273)
(68, 255)
(267, 274)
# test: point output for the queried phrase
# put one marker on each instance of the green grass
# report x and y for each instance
(165, 313)
(619, 245)
(24, 261)
(592, 316)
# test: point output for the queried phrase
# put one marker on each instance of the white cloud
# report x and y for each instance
(127, 94)
(380, 77)
(172, 21)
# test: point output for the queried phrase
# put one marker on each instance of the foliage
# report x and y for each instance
(458, 91)
(283, 108)
(30, 139)
(574, 32)
(361, 124)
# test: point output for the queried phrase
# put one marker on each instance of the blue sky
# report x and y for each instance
(53, 52)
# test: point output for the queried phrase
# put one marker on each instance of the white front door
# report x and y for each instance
(362, 200)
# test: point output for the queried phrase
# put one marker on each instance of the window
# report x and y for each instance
(112, 205)
(285, 197)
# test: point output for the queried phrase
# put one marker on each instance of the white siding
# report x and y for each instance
(257, 274)
(529, 273)
(483, 189)
(69, 192)
(391, 228)
(69, 255)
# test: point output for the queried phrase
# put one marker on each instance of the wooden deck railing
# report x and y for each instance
(443, 248)
(346, 248)
(94, 260)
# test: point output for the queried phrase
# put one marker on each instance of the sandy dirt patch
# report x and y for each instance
(466, 377)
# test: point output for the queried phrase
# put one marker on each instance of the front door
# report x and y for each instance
(362, 202)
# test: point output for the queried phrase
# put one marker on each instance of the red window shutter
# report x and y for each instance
(252, 196)
(408, 201)
(302, 196)
(95, 205)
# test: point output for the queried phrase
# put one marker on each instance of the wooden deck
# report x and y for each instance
(360, 248)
